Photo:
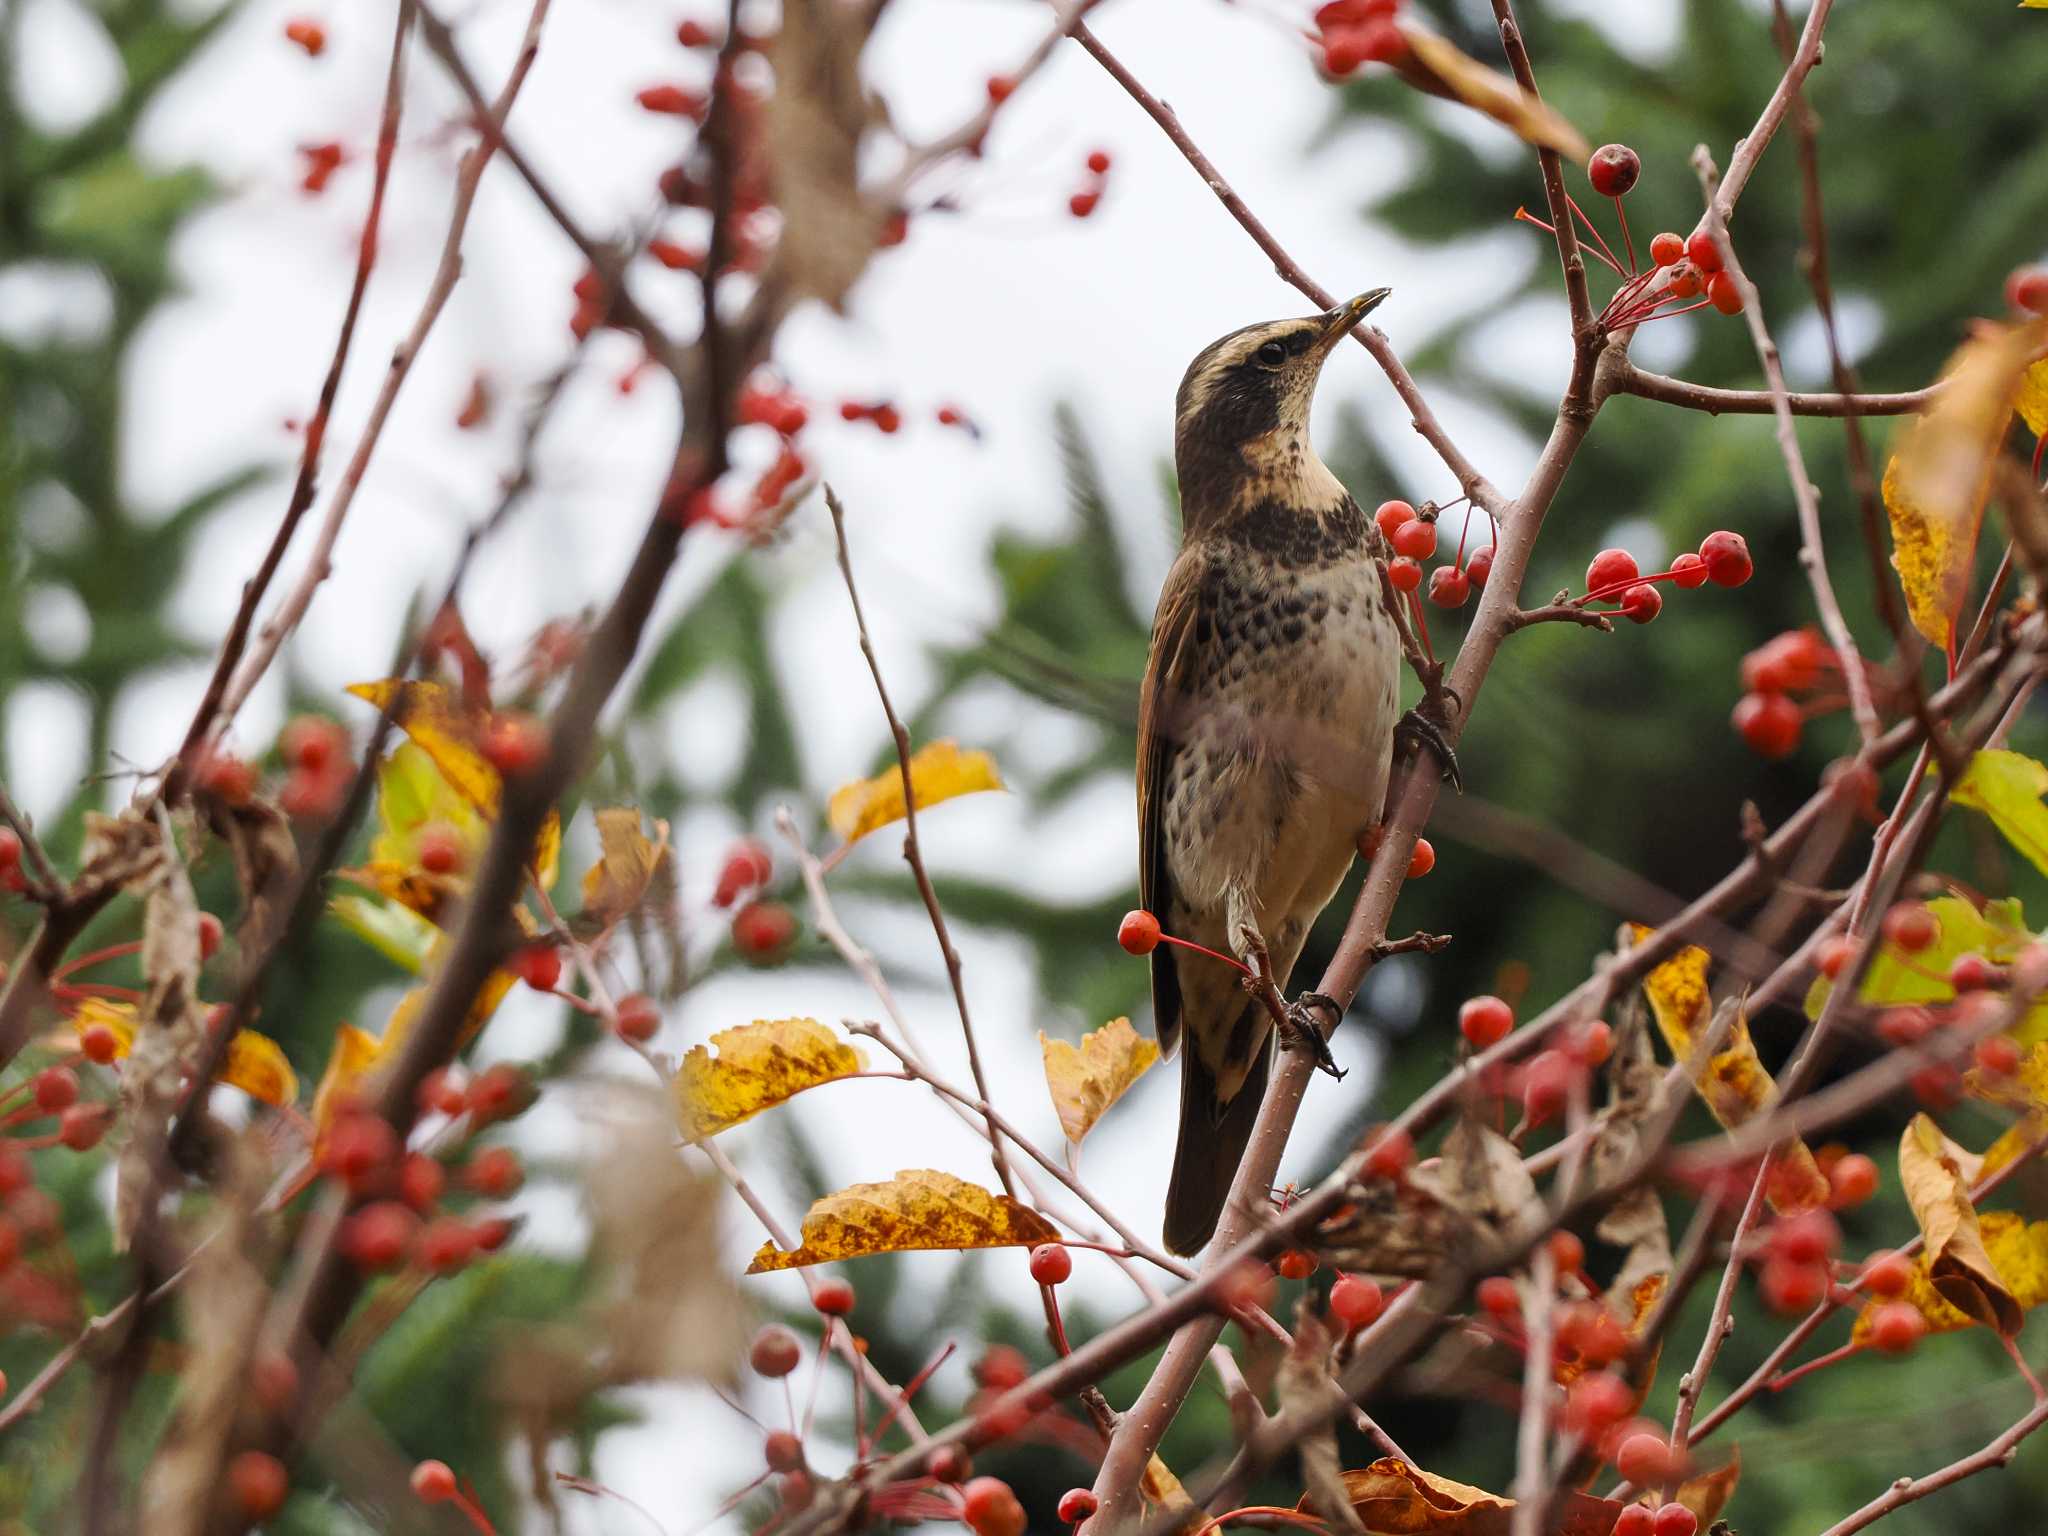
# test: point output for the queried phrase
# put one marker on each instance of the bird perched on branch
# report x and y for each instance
(1265, 728)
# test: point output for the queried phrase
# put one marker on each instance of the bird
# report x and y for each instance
(1266, 727)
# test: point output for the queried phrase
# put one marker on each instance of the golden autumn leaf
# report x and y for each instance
(2017, 1247)
(2008, 786)
(1085, 1080)
(2032, 402)
(1441, 68)
(919, 1209)
(614, 885)
(1936, 1175)
(255, 1063)
(1392, 1498)
(938, 771)
(758, 1065)
(353, 1053)
(1708, 1493)
(1732, 1082)
(1939, 473)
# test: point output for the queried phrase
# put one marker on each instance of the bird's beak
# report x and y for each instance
(1341, 321)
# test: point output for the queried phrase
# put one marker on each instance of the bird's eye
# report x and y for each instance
(1272, 354)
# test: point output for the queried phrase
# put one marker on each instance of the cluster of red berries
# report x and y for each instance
(1083, 202)
(322, 161)
(402, 1218)
(1546, 1081)
(1612, 575)
(1349, 33)
(307, 34)
(1798, 661)
(1798, 1257)
(1413, 537)
(762, 929)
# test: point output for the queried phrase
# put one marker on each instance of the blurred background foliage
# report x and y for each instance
(1937, 184)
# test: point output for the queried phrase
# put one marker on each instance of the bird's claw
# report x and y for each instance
(1418, 730)
(1301, 1030)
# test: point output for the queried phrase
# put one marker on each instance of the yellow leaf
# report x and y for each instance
(613, 886)
(353, 1053)
(918, 1209)
(255, 1063)
(1161, 1487)
(1732, 1081)
(1936, 1175)
(1708, 1494)
(2007, 787)
(1392, 1498)
(1439, 67)
(938, 772)
(2017, 1247)
(1086, 1080)
(2033, 397)
(1940, 472)
(758, 1066)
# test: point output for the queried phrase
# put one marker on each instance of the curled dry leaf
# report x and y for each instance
(938, 771)
(1163, 1490)
(1481, 1177)
(255, 1063)
(1939, 473)
(1441, 68)
(1085, 1080)
(1384, 1229)
(1731, 1080)
(816, 118)
(1707, 1493)
(616, 883)
(2017, 1248)
(2007, 787)
(1305, 1387)
(919, 1209)
(758, 1065)
(1392, 1498)
(1936, 1175)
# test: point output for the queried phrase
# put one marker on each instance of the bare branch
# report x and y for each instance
(1763, 402)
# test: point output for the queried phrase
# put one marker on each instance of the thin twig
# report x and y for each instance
(1763, 402)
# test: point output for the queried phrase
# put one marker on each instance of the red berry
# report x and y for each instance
(309, 35)
(1479, 565)
(1701, 251)
(1343, 51)
(989, 1508)
(1000, 87)
(1613, 170)
(1769, 722)
(1595, 1403)
(1667, 249)
(359, 1150)
(539, 966)
(1485, 1021)
(775, 1352)
(1853, 782)
(233, 779)
(1727, 558)
(1974, 973)
(378, 1235)
(1641, 603)
(1887, 1275)
(1805, 1237)
(496, 1172)
(1912, 926)
(1422, 860)
(639, 1016)
(16, 1171)
(2027, 289)
(515, 743)
(1392, 1153)
(420, 1181)
(783, 1451)
(1081, 204)
(1644, 1459)
(1138, 933)
(440, 849)
(886, 417)
(434, 1482)
(1546, 1085)
(499, 1093)
(797, 1492)
(82, 1125)
(1937, 1086)
(10, 1243)
(1416, 539)
(1896, 1327)
(1002, 1368)
(1688, 571)
(1724, 294)
(669, 101)
(273, 1380)
(1406, 575)
(1051, 1264)
(56, 1088)
(1851, 1181)
(833, 1296)
(1591, 1044)
(10, 848)
(441, 1090)
(446, 1244)
(1834, 955)
(1904, 1027)
(1295, 1264)
(1245, 1286)
(748, 864)
(1356, 1300)
(99, 1043)
(1610, 568)
(1685, 282)
(493, 1232)
(695, 34)
(1381, 42)
(1392, 515)
(311, 743)
(1674, 1519)
(258, 1478)
(1998, 1055)
(1789, 1287)
(1497, 1294)
(1634, 1520)
(1567, 1253)
(1076, 1505)
(761, 930)
(1449, 587)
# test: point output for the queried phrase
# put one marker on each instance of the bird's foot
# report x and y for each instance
(1301, 1029)
(1415, 943)
(1418, 729)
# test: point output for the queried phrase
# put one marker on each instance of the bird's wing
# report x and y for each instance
(1168, 673)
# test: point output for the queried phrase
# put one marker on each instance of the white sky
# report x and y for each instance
(1003, 309)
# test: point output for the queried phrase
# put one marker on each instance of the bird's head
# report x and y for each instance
(1254, 387)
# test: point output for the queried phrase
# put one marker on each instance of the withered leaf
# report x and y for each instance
(1305, 1387)
(1085, 1080)
(758, 1066)
(1707, 1493)
(1481, 1176)
(815, 120)
(1441, 68)
(1392, 1498)
(918, 1209)
(1936, 1175)
(614, 885)
(2018, 1249)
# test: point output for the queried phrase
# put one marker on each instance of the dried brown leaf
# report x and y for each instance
(815, 121)
(1391, 1498)
(617, 882)
(1305, 1388)
(1936, 1175)
(1481, 1177)
(1441, 68)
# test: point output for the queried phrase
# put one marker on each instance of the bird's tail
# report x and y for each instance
(1213, 1135)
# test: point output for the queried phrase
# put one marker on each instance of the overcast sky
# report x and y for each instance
(1003, 309)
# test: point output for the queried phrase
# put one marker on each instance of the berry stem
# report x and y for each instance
(1053, 1321)
(1605, 251)
(1229, 960)
(1628, 239)
(910, 1390)
(1784, 1379)
(1606, 593)
(111, 952)
(1421, 624)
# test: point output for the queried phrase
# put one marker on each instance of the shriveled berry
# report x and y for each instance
(1405, 574)
(1912, 926)
(1356, 1300)
(775, 1352)
(433, 1482)
(1667, 249)
(833, 1296)
(1688, 571)
(1138, 932)
(1641, 603)
(1051, 1264)
(1769, 722)
(1851, 1181)
(1392, 515)
(1449, 587)
(1485, 1021)
(639, 1016)
(1727, 557)
(1076, 1505)
(1416, 539)
(258, 1479)
(1703, 253)
(1610, 568)
(1613, 170)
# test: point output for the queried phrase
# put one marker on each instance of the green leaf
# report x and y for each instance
(1999, 932)
(2007, 787)
(398, 933)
